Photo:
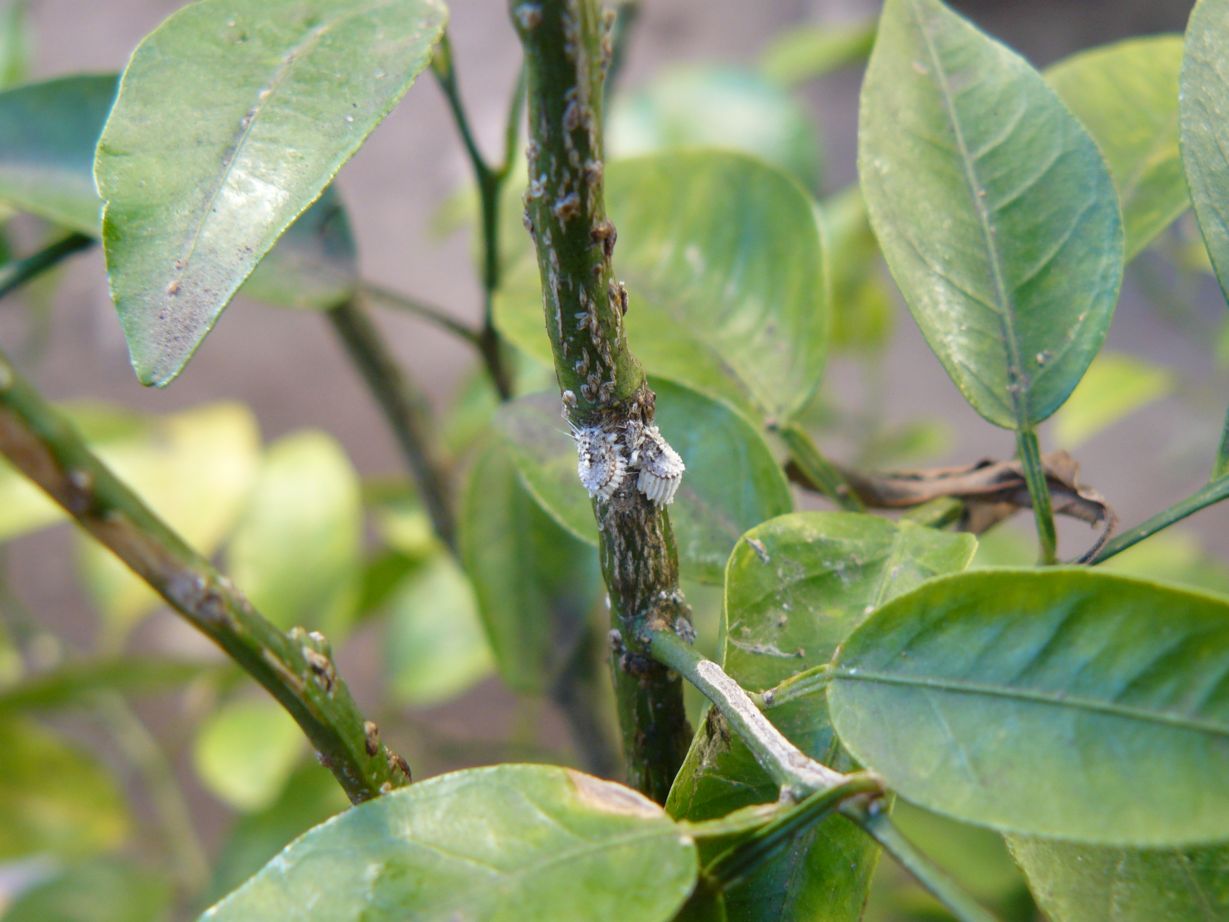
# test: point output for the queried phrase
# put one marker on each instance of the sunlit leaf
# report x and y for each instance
(246, 750)
(809, 51)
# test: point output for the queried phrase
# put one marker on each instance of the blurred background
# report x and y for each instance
(406, 192)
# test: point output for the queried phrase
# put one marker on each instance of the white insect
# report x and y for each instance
(599, 461)
(661, 468)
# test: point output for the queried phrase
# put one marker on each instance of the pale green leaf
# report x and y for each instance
(813, 50)
(1114, 387)
(246, 750)
(101, 890)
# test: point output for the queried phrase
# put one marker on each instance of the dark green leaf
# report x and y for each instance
(435, 645)
(535, 583)
(795, 586)
(718, 108)
(246, 750)
(103, 890)
(513, 842)
(48, 132)
(724, 272)
(732, 480)
(994, 209)
(1204, 126)
(297, 549)
(1078, 883)
(54, 797)
(1004, 698)
(809, 51)
(231, 119)
(1126, 95)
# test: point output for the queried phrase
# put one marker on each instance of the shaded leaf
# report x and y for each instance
(297, 549)
(55, 797)
(535, 582)
(994, 209)
(809, 51)
(231, 119)
(795, 586)
(732, 481)
(102, 890)
(435, 645)
(1204, 126)
(48, 132)
(1115, 387)
(1002, 698)
(725, 280)
(246, 750)
(1126, 95)
(512, 842)
(862, 308)
(719, 108)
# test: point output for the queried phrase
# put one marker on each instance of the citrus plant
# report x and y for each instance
(646, 429)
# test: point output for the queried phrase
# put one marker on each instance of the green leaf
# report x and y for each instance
(102, 890)
(809, 51)
(246, 750)
(48, 132)
(435, 647)
(1003, 698)
(16, 40)
(1076, 883)
(535, 583)
(54, 797)
(310, 797)
(732, 481)
(297, 549)
(194, 469)
(75, 684)
(994, 209)
(795, 586)
(512, 842)
(862, 309)
(1126, 95)
(1115, 387)
(1204, 127)
(724, 272)
(231, 119)
(718, 108)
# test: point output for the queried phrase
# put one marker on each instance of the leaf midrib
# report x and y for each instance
(1059, 700)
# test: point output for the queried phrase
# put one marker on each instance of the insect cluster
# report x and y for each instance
(605, 457)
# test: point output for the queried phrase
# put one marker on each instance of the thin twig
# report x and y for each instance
(405, 409)
(296, 668)
(1205, 496)
(429, 312)
(819, 470)
(1039, 490)
(17, 273)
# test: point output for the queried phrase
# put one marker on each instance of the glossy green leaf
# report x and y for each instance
(48, 132)
(1077, 883)
(102, 890)
(246, 750)
(810, 51)
(1115, 387)
(1126, 95)
(1003, 698)
(55, 797)
(732, 481)
(510, 843)
(231, 119)
(435, 646)
(994, 209)
(795, 586)
(725, 280)
(194, 469)
(297, 549)
(1204, 126)
(718, 108)
(536, 584)
(311, 796)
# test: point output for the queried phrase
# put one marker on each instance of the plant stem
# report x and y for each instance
(872, 818)
(567, 51)
(296, 668)
(405, 408)
(17, 273)
(799, 685)
(490, 185)
(1221, 468)
(1205, 496)
(825, 475)
(1039, 491)
(792, 769)
(428, 312)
